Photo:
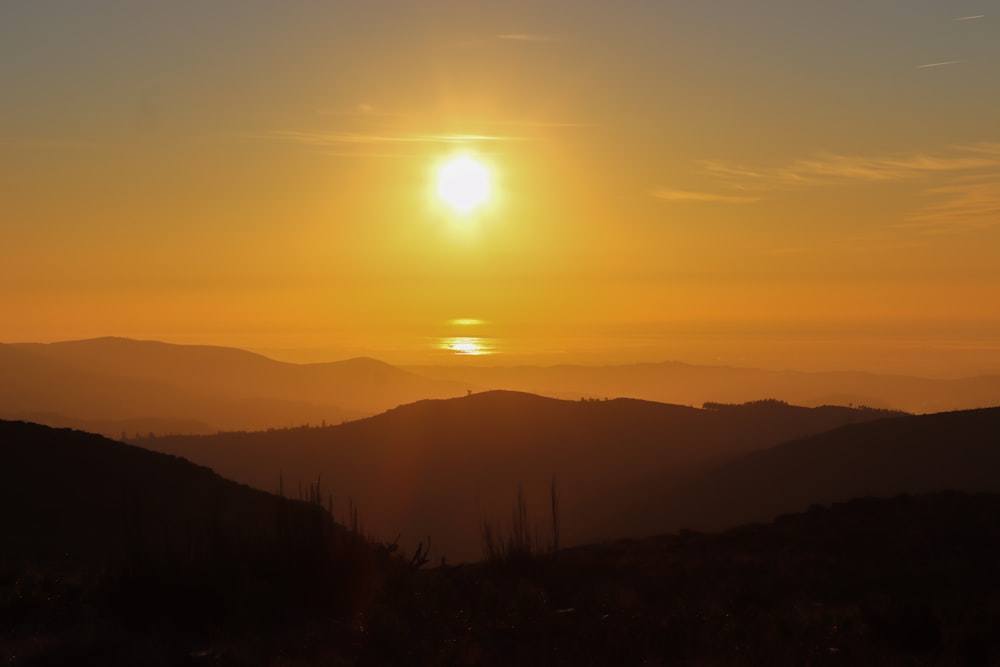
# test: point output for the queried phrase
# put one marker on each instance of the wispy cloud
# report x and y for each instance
(339, 138)
(970, 18)
(940, 64)
(47, 143)
(963, 205)
(832, 169)
(962, 191)
(365, 110)
(365, 126)
(539, 124)
(530, 37)
(689, 196)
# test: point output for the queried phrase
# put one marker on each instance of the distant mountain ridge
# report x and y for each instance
(119, 386)
(914, 454)
(688, 384)
(438, 467)
(128, 385)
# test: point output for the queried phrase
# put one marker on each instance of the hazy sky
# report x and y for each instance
(807, 183)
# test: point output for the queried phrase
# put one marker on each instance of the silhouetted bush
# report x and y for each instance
(521, 544)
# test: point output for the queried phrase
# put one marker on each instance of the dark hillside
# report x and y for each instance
(438, 467)
(914, 454)
(910, 580)
(108, 550)
(877, 581)
(70, 494)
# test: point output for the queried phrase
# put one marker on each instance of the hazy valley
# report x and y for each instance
(114, 386)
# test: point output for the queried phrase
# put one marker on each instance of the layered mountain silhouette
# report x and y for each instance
(913, 454)
(116, 385)
(908, 579)
(77, 496)
(439, 467)
(686, 384)
(105, 545)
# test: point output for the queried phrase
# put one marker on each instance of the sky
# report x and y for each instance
(800, 184)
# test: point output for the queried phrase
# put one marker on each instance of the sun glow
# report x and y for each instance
(466, 346)
(463, 183)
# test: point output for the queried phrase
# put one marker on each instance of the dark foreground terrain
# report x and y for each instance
(904, 581)
(108, 574)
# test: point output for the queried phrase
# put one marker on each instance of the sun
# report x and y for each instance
(463, 183)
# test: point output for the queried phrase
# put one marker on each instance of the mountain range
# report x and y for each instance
(120, 387)
(114, 555)
(687, 384)
(440, 467)
(116, 385)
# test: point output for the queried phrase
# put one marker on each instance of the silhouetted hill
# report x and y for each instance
(115, 555)
(121, 385)
(73, 495)
(437, 467)
(687, 384)
(913, 454)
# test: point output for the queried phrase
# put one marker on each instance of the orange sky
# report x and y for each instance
(797, 184)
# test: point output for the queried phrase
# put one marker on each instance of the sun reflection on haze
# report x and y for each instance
(467, 345)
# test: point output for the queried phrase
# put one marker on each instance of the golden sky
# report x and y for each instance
(780, 183)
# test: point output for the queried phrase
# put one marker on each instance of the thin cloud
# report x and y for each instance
(530, 37)
(338, 138)
(940, 64)
(833, 169)
(365, 110)
(963, 205)
(688, 196)
(964, 194)
(970, 18)
(540, 124)
(47, 143)
(984, 148)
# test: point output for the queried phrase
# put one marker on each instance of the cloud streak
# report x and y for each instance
(530, 37)
(341, 138)
(364, 110)
(940, 64)
(833, 169)
(668, 194)
(47, 143)
(962, 191)
(963, 205)
(372, 127)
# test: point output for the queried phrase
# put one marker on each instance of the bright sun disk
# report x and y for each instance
(463, 183)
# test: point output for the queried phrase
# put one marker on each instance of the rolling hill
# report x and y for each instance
(914, 454)
(105, 545)
(438, 467)
(905, 580)
(78, 496)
